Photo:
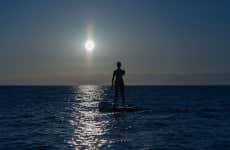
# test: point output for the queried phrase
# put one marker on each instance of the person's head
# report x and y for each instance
(118, 64)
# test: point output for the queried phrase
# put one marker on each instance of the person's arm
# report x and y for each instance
(113, 78)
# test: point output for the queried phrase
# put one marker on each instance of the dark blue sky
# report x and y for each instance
(158, 41)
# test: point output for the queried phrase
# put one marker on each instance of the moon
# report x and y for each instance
(89, 45)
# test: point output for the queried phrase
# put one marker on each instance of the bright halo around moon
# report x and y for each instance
(89, 45)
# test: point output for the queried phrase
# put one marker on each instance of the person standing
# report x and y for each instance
(119, 84)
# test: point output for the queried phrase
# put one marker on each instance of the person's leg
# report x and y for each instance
(115, 97)
(122, 89)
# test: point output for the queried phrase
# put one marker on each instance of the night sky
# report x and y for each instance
(157, 41)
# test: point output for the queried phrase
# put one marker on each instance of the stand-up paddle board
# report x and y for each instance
(108, 107)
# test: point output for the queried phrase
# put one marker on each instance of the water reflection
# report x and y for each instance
(87, 122)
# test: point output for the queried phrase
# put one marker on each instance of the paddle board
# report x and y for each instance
(106, 106)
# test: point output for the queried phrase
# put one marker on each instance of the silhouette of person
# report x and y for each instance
(119, 84)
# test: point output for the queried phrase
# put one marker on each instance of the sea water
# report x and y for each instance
(67, 117)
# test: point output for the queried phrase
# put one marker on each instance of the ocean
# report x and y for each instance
(67, 118)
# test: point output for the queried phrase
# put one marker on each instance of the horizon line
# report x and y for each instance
(1, 85)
